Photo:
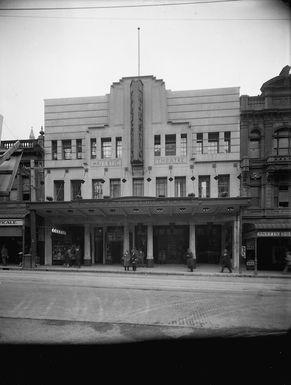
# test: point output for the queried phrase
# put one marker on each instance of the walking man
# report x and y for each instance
(225, 261)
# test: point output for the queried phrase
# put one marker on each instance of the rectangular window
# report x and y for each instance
(79, 148)
(97, 189)
(114, 188)
(254, 148)
(283, 196)
(204, 186)
(183, 149)
(161, 187)
(180, 186)
(213, 142)
(59, 190)
(118, 147)
(223, 186)
(76, 189)
(157, 145)
(54, 149)
(227, 142)
(137, 187)
(67, 149)
(255, 196)
(106, 148)
(93, 148)
(199, 143)
(170, 145)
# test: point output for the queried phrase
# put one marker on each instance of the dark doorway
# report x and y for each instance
(208, 243)
(114, 244)
(98, 245)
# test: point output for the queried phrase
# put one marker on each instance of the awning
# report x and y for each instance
(8, 171)
(268, 230)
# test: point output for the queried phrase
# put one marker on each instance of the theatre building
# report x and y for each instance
(266, 172)
(143, 167)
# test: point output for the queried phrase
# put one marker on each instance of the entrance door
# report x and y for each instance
(208, 243)
(98, 239)
(114, 244)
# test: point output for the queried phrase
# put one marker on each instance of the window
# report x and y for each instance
(255, 196)
(183, 149)
(180, 186)
(282, 142)
(223, 186)
(283, 196)
(213, 142)
(97, 189)
(67, 149)
(59, 190)
(118, 147)
(76, 189)
(227, 143)
(137, 187)
(93, 148)
(25, 188)
(106, 148)
(199, 143)
(254, 144)
(79, 148)
(170, 145)
(161, 187)
(204, 186)
(157, 145)
(114, 188)
(54, 150)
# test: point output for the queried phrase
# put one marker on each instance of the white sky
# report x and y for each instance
(71, 53)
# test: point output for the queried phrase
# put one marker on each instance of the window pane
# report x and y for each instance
(223, 186)
(97, 187)
(54, 150)
(157, 145)
(93, 148)
(59, 190)
(199, 143)
(161, 187)
(204, 186)
(170, 145)
(254, 148)
(227, 141)
(79, 148)
(114, 188)
(118, 149)
(213, 141)
(138, 187)
(67, 149)
(180, 186)
(183, 150)
(106, 148)
(75, 189)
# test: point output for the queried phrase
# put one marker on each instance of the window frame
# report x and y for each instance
(170, 145)
(113, 183)
(97, 194)
(58, 189)
(223, 181)
(79, 149)
(160, 185)
(138, 187)
(67, 145)
(204, 178)
(177, 185)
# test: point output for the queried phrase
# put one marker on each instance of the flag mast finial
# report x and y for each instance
(138, 51)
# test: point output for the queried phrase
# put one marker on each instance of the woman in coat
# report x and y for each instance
(126, 260)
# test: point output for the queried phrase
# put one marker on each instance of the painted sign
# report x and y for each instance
(274, 233)
(57, 231)
(170, 160)
(11, 222)
(106, 163)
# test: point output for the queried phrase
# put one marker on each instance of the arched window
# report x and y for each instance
(282, 141)
(254, 144)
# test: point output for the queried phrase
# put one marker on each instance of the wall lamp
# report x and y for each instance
(50, 199)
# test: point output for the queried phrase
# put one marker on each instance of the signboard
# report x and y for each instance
(106, 163)
(274, 233)
(11, 222)
(57, 231)
(170, 160)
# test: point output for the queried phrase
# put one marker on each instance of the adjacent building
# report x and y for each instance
(266, 172)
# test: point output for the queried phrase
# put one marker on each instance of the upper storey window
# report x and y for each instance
(213, 142)
(183, 149)
(227, 143)
(106, 148)
(157, 145)
(170, 145)
(54, 150)
(67, 149)
(255, 144)
(199, 143)
(79, 148)
(93, 148)
(118, 147)
(282, 141)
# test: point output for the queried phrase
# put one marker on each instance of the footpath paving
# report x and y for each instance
(179, 269)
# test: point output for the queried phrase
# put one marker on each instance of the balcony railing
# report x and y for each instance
(26, 143)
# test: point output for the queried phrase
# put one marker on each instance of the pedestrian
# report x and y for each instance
(78, 256)
(4, 254)
(133, 259)
(141, 257)
(68, 257)
(126, 260)
(225, 261)
(287, 261)
(190, 261)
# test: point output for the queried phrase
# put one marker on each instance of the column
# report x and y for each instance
(235, 247)
(33, 237)
(93, 245)
(87, 248)
(150, 247)
(192, 239)
(48, 249)
(125, 237)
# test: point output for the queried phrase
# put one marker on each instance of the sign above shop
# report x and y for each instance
(11, 222)
(58, 231)
(274, 234)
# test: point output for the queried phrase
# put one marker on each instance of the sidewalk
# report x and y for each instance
(201, 270)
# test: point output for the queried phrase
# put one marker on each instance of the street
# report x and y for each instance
(55, 307)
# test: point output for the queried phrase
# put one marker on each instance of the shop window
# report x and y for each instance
(183, 148)
(114, 188)
(223, 186)
(54, 149)
(93, 148)
(180, 186)
(157, 145)
(67, 149)
(254, 144)
(283, 196)
(282, 141)
(170, 145)
(199, 143)
(213, 142)
(97, 189)
(76, 189)
(118, 147)
(59, 190)
(79, 148)
(227, 142)
(161, 187)
(204, 186)
(106, 148)
(138, 187)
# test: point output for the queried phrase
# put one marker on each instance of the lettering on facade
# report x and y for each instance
(106, 163)
(274, 234)
(11, 222)
(57, 231)
(170, 160)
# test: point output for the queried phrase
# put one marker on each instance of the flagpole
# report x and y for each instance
(138, 52)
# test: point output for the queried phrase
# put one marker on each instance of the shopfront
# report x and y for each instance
(12, 231)
(63, 238)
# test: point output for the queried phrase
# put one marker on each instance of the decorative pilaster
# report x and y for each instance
(48, 249)
(87, 249)
(125, 237)
(150, 247)
(192, 239)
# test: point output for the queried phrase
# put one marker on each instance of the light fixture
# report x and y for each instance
(230, 209)
(205, 209)
(50, 199)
